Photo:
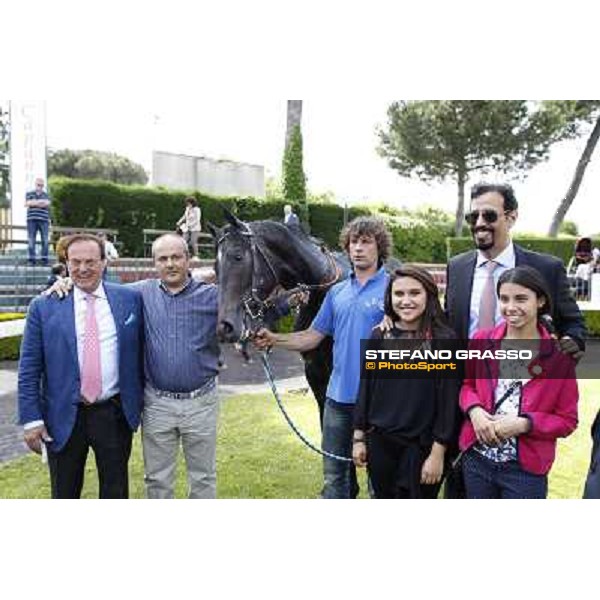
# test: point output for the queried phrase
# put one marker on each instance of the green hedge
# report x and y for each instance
(9, 348)
(130, 209)
(419, 236)
(563, 248)
(592, 321)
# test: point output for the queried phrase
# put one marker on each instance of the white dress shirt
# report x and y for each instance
(506, 261)
(109, 348)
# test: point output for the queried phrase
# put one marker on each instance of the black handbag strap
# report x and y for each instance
(511, 388)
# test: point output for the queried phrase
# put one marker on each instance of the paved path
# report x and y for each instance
(237, 378)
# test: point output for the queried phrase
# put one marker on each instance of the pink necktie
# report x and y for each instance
(487, 305)
(91, 376)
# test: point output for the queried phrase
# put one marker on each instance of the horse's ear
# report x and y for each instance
(213, 230)
(232, 219)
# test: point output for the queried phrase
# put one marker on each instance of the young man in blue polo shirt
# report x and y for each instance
(38, 219)
(349, 312)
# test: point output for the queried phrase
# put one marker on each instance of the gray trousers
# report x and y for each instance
(166, 422)
(191, 238)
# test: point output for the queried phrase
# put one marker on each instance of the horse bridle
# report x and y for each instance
(256, 317)
(254, 307)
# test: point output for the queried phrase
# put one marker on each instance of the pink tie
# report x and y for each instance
(487, 305)
(91, 376)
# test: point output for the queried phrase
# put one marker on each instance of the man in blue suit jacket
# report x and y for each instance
(81, 375)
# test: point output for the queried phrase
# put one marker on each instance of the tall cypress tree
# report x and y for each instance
(294, 180)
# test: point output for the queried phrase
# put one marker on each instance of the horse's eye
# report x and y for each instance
(238, 257)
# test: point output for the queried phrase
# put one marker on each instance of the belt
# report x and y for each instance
(201, 391)
(116, 400)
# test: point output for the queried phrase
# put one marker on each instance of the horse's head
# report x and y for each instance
(240, 276)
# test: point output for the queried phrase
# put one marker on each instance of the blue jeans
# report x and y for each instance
(33, 226)
(485, 478)
(339, 476)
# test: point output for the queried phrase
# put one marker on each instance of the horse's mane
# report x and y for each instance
(296, 230)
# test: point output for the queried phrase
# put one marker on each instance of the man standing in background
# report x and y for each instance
(37, 202)
(290, 218)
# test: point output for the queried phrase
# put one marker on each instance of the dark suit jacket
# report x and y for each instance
(293, 221)
(49, 378)
(567, 317)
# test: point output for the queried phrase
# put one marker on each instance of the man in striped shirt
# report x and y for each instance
(38, 220)
(181, 363)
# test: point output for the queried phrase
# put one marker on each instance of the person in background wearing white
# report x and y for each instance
(190, 223)
(109, 247)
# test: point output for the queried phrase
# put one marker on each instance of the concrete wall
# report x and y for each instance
(216, 177)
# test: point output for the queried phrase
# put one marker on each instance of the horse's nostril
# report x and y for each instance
(225, 328)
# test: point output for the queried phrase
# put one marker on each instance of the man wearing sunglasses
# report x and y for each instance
(493, 213)
(471, 277)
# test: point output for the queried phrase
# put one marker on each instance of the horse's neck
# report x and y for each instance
(300, 261)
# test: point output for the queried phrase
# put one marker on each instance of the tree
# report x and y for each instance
(294, 118)
(440, 140)
(578, 114)
(294, 180)
(92, 164)
(569, 228)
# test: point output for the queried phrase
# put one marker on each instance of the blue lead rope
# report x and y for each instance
(269, 374)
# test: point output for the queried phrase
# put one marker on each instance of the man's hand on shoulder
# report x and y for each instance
(385, 326)
(569, 346)
(61, 287)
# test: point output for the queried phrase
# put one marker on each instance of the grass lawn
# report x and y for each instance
(259, 456)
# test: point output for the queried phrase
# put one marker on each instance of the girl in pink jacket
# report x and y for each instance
(516, 409)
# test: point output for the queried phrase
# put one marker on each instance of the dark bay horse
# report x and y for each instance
(253, 261)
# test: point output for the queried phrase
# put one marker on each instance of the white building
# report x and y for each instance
(214, 177)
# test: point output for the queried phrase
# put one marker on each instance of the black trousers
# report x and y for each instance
(395, 468)
(103, 428)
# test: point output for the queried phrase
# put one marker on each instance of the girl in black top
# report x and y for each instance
(402, 426)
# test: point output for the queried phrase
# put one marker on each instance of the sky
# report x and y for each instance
(339, 149)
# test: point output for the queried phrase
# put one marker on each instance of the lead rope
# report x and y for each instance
(303, 438)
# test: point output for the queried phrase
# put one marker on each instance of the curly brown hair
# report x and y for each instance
(368, 227)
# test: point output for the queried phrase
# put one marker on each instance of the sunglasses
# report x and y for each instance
(489, 216)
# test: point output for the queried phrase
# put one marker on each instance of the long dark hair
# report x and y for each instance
(531, 279)
(433, 321)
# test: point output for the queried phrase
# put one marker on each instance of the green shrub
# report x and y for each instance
(10, 347)
(286, 324)
(592, 321)
(11, 316)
